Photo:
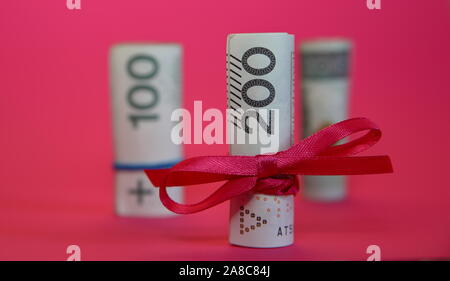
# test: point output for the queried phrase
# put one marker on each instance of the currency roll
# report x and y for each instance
(260, 92)
(145, 82)
(325, 87)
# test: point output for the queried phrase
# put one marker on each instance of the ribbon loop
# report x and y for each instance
(275, 174)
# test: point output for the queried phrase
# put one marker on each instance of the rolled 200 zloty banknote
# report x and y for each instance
(145, 81)
(260, 77)
(325, 86)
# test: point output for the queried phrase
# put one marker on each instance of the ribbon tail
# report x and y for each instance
(227, 191)
(157, 176)
(332, 166)
(203, 169)
(171, 177)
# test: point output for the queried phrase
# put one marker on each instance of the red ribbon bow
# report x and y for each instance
(275, 174)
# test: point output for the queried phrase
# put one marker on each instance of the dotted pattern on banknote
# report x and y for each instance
(255, 221)
(250, 220)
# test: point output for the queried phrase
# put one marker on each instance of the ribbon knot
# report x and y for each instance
(275, 174)
(267, 166)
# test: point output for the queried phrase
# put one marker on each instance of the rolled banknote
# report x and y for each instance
(325, 86)
(260, 103)
(145, 84)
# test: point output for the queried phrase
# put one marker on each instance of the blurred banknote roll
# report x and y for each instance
(325, 90)
(145, 85)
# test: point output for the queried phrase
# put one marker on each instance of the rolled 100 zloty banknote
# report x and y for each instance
(325, 87)
(145, 81)
(260, 77)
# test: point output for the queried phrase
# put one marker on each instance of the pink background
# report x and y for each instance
(56, 185)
